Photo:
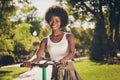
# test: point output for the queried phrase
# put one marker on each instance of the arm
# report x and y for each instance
(71, 45)
(38, 54)
(40, 50)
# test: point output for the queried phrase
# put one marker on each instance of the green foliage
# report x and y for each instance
(15, 36)
(83, 39)
(22, 35)
(22, 41)
(6, 9)
(44, 32)
(9, 44)
(27, 9)
(36, 25)
(105, 18)
(6, 58)
(19, 49)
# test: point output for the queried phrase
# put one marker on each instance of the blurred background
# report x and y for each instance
(94, 23)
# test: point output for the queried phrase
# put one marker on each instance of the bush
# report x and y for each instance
(6, 59)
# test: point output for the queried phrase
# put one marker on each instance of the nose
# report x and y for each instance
(53, 22)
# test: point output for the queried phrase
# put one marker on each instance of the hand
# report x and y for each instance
(27, 64)
(63, 61)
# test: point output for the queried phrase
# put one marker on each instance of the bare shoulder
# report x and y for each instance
(44, 40)
(69, 36)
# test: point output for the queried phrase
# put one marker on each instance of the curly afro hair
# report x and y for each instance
(56, 10)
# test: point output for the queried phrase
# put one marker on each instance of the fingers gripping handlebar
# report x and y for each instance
(43, 65)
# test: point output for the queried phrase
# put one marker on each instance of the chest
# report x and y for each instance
(58, 48)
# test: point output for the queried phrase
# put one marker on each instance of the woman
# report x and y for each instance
(60, 45)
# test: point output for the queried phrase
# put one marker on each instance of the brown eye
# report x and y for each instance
(57, 20)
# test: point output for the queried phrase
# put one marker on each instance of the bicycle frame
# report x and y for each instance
(44, 73)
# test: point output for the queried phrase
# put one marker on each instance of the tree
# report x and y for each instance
(15, 36)
(83, 39)
(7, 9)
(114, 19)
(22, 40)
(104, 43)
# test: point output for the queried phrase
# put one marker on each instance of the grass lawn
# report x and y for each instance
(11, 72)
(88, 71)
(93, 71)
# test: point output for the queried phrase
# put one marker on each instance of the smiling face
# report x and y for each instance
(55, 23)
(58, 11)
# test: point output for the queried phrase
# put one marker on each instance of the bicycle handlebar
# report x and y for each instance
(43, 65)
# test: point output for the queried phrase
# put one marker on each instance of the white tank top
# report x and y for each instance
(58, 50)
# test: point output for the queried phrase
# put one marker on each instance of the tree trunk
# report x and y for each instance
(99, 47)
(114, 28)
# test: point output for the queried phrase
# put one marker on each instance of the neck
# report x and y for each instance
(56, 33)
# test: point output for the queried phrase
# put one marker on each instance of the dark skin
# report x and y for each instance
(56, 36)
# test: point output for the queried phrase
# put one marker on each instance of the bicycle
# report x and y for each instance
(43, 66)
